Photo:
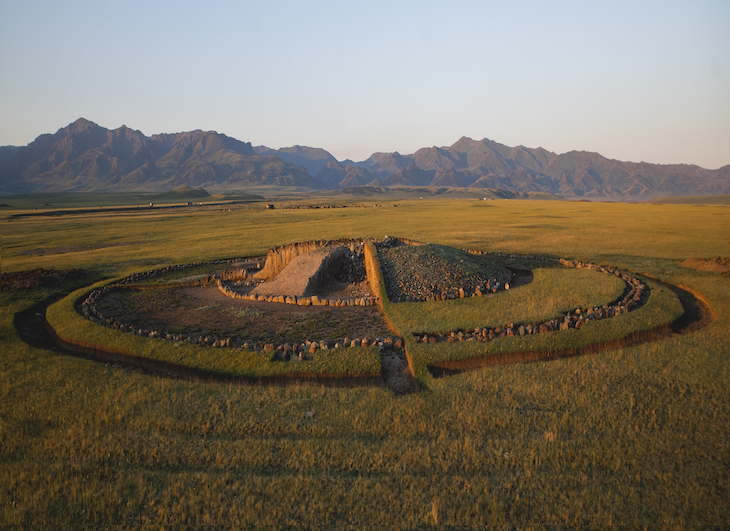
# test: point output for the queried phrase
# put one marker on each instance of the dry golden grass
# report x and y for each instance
(626, 438)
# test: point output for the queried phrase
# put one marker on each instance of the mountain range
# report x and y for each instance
(84, 157)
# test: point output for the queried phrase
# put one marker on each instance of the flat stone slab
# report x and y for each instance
(296, 277)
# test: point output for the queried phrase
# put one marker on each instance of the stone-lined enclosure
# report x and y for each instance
(635, 294)
(340, 261)
(352, 261)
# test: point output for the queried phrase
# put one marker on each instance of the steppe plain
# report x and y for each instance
(634, 436)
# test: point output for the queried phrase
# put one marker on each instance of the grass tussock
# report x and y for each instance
(243, 313)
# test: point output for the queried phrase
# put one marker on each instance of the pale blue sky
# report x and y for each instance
(631, 80)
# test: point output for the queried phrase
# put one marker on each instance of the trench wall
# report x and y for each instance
(320, 277)
(377, 285)
(280, 257)
(372, 271)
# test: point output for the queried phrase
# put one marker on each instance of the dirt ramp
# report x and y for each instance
(280, 257)
(304, 273)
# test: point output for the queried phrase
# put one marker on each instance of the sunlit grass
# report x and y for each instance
(553, 293)
(626, 438)
(663, 308)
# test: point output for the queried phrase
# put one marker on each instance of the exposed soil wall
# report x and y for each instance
(279, 257)
(372, 270)
(374, 276)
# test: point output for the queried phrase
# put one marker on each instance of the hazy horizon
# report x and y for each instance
(647, 82)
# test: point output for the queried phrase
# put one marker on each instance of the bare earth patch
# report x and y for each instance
(206, 311)
(714, 265)
(46, 278)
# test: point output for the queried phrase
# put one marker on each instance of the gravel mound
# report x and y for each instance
(437, 272)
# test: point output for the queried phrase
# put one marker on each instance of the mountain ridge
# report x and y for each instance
(84, 156)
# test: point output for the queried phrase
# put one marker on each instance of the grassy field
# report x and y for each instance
(629, 437)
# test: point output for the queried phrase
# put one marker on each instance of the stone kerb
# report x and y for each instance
(134, 279)
(635, 296)
(280, 352)
(312, 300)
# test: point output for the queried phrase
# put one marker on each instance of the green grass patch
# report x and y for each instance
(552, 293)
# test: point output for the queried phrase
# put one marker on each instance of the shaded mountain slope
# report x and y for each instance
(312, 159)
(488, 164)
(336, 175)
(86, 157)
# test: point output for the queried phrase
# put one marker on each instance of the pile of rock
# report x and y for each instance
(308, 349)
(415, 272)
(347, 266)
